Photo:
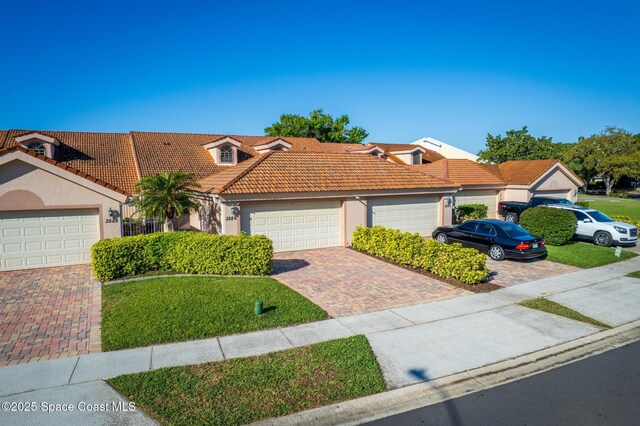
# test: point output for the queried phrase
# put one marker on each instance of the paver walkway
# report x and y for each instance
(344, 282)
(412, 343)
(48, 313)
(511, 272)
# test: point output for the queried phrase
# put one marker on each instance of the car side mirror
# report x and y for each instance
(587, 221)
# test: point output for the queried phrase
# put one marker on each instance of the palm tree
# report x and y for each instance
(167, 196)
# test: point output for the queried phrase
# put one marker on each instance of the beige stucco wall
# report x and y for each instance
(516, 194)
(557, 181)
(354, 214)
(23, 186)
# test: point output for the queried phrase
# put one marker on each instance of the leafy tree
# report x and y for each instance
(519, 145)
(167, 196)
(611, 154)
(318, 125)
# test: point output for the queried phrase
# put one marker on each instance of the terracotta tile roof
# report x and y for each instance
(228, 175)
(519, 173)
(107, 156)
(64, 166)
(286, 172)
(464, 172)
(391, 147)
(431, 156)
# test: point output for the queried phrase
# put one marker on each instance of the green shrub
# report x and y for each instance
(114, 258)
(222, 254)
(626, 219)
(404, 248)
(582, 203)
(556, 226)
(470, 212)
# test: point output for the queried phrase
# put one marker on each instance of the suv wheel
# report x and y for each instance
(496, 252)
(511, 217)
(602, 238)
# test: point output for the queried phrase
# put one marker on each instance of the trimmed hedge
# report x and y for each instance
(470, 212)
(626, 219)
(556, 226)
(404, 248)
(182, 252)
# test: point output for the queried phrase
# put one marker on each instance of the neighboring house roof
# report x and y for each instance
(467, 172)
(429, 156)
(517, 173)
(64, 166)
(106, 156)
(464, 172)
(287, 172)
(446, 150)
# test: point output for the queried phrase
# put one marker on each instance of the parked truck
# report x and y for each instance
(511, 210)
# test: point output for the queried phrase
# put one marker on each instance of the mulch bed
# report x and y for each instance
(484, 287)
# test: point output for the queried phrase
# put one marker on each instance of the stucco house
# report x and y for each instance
(62, 191)
(510, 181)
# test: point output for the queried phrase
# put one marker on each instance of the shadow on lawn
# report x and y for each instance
(287, 265)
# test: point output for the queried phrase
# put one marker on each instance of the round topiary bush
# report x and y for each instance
(556, 226)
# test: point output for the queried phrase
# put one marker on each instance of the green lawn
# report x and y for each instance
(635, 274)
(244, 390)
(610, 207)
(585, 255)
(159, 310)
(546, 305)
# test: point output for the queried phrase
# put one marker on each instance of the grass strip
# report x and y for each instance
(551, 307)
(245, 390)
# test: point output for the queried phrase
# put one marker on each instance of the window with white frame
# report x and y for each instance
(37, 147)
(226, 154)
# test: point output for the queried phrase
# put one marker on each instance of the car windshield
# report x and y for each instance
(513, 230)
(600, 217)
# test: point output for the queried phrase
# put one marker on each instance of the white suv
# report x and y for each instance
(601, 229)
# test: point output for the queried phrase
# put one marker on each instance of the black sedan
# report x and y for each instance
(497, 238)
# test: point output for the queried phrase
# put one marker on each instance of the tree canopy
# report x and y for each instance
(167, 196)
(611, 154)
(318, 125)
(519, 145)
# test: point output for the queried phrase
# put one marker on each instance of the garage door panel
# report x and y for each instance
(295, 226)
(47, 238)
(421, 215)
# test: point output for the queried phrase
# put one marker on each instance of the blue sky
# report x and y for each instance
(400, 69)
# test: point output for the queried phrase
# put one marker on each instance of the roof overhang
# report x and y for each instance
(39, 136)
(270, 145)
(558, 166)
(374, 149)
(63, 172)
(336, 194)
(409, 151)
(222, 141)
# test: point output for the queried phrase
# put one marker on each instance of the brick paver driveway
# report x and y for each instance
(344, 282)
(511, 272)
(48, 313)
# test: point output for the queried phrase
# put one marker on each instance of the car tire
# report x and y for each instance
(511, 217)
(496, 252)
(603, 239)
(442, 238)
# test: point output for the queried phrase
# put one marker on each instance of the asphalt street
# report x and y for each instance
(601, 390)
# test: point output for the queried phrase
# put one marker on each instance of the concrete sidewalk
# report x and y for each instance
(413, 344)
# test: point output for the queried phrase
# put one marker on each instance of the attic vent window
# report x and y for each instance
(226, 154)
(37, 147)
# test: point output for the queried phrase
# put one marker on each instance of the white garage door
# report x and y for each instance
(295, 226)
(34, 239)
(560, 193)
(421, 215)
(488, 198)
